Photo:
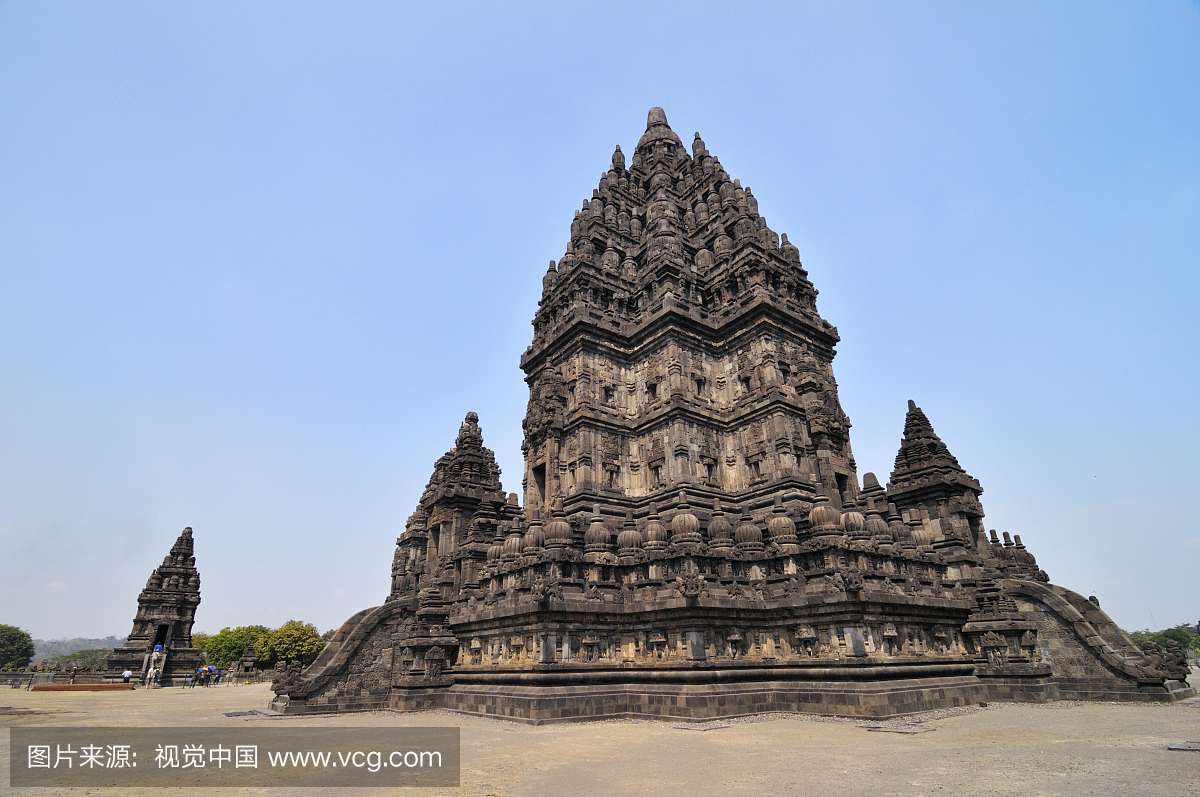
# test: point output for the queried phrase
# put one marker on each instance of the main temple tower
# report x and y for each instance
(677, 347)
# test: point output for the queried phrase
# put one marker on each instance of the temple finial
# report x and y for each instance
(921, 452)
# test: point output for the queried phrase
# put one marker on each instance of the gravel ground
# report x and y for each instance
(1001, 749)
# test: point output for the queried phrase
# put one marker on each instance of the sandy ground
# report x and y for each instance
(1003, 749)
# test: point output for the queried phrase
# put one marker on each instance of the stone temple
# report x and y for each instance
(165, 613)
(694, 540)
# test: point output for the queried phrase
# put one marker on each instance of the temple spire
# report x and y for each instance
(670, 233)
(925, 468)
(921, 449)
(163, 622)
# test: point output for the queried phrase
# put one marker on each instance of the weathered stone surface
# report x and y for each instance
(694, 541)
(165, 613)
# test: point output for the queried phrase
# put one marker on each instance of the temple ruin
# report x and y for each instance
(165, 613)
(693, 539)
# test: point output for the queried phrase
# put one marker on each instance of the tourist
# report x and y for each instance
(127, 675)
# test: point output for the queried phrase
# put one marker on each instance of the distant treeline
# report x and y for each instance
(1186, 635)
(49, 648)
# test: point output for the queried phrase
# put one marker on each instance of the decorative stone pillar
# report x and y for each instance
(685, 527)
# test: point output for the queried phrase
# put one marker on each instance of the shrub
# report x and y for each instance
(292, 640)
(224, 648)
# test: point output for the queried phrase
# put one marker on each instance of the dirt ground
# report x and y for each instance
(1003, 749)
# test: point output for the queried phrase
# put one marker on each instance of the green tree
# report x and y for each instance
(1185, 634)
(292, 640)
(224, 648)
(16, 648)
(199, 640)
(94, 659)
(328, 635)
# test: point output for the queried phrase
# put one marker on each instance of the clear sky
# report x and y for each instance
(257, 261)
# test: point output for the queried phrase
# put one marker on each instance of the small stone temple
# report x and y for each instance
(165, 613)
(248, 663)
(693, 539)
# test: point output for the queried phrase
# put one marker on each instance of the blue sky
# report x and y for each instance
(258, 261)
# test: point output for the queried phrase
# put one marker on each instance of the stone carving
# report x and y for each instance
(547, 405)
(1175, 661)
(1154, 665)
(691, 584)
(995, 648)
(835, 582)
(625, 595)
(853, 580)
(285, 676)
(795, 585)
(435, 659)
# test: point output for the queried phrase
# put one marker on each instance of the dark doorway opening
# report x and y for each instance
(539, 481)
(841, 485)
